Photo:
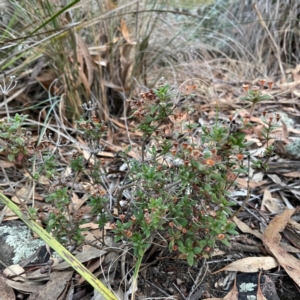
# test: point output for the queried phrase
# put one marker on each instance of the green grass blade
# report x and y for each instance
(55, 15)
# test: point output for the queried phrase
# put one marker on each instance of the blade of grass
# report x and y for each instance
(62, 251)
(55, 15)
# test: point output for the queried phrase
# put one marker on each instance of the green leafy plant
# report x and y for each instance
(63, 224)
(255, 94)
(15, 140)
(184, 177)
(178, 190)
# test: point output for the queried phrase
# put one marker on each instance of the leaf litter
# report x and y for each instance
(270, 205)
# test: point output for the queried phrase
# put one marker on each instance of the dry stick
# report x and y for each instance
(2, 214)
(197, 281)
(159, 289)
(248, 193)
(180, 292)
(276, 48)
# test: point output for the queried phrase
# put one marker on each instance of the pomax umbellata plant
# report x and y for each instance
(177, 193)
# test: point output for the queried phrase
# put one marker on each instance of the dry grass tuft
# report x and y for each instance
(108, 51)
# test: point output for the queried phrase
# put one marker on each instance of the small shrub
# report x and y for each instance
(177, 192)
(184, 176)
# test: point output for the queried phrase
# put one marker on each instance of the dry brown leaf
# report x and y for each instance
(251, 264)
(246, 229)
(43, 180)
(82, 257)
(77, 202)
(270, 203)
(85, 63)
(46, 79)
(88, 237)
(258, 177)
(126, 57)
(276, 179)
(289, 248)
(15, 270)
(6, 164)
(9, 214)
(113, 85)
(84, 80)
(95, 226)
(36, 276)
(54, 287)
(285, 131)
(131, 153)
(27, 286)
(294, 130)
(2, 213)
(110, 5)
(110, 135)
(217, 252)
(92, 265)
(11, 218)
(253, 140)
(271, 239)
(259, 295)
(243, 183)
(296, 93)
(90, 225)
(125, 32)
(106, 154)
(7, 292)
(22, 194)
(121, 125)
(232, 295)
(87, 59)
(294, 224)
(257, 120)
(291, 236)
(271, 234)
(292, 174)
(286, 201)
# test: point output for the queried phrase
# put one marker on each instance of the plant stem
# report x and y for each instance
(135, 275)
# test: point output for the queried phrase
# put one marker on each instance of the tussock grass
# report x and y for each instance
(108, 51)
(266, 43)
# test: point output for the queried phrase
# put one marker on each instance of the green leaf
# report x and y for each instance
(140, 251)
(19, 141)
(171, 244)
(202, 243)
(180, 243)
(182, 249)
(233, 232)
(11, 157)
(265, 97)
(241, 171)
(190, 258)
(197, 250)
(226, 243)
(147, 232)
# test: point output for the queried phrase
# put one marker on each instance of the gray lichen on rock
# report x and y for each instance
(247, 287)
(22, 241)
(294, 148)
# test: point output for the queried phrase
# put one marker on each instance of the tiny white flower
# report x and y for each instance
(11, 85)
